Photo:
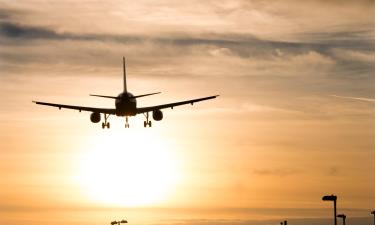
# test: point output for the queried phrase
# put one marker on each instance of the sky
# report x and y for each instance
(294, 120)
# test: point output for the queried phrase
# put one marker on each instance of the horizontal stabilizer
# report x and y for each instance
(139, 96)
(105, 96)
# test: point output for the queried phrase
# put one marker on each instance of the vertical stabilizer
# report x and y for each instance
(125, 90)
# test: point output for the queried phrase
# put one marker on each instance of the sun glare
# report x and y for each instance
(128, 168)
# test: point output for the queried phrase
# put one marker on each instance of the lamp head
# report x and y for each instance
(342, 216)
(329, 198)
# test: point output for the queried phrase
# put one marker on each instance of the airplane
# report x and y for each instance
(125, 106)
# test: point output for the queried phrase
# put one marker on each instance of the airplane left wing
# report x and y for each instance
(79, 108)
(171, 105)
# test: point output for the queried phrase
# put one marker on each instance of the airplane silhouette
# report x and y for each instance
(125, 106)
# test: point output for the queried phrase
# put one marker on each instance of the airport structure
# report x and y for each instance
(332, 198)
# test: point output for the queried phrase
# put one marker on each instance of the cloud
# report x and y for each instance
(365, 56)
(280, 172)
(250, 44)
(293, 64)
(11, 30)
(4, 15)
(355, 98)
(19, 32)
(7, 14)
(245, 52)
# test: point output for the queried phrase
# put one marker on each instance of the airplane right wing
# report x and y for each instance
(171, 105)
(79, 108)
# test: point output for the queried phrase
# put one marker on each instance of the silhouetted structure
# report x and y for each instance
(343, 216)
(118, 222)
(373, 212)
(285, 222)
(334, 199)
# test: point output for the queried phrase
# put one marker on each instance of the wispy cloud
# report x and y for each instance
(281, 172)
(355, 98)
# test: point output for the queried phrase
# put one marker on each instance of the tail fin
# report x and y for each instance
(125, 89)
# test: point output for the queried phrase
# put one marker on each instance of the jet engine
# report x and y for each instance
(157, 115)
(95, 117)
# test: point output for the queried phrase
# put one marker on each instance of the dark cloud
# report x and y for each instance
(240, 43)
(18, 32)
(321, 46)
(11, 30)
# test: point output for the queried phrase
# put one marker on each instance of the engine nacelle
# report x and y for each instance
(95, 117)
(157, 115)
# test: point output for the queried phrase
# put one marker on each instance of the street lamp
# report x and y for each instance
(118, 222)
(373, 212)
(343, 218)
(334, 199)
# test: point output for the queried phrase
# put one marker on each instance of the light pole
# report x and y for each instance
(343, 218)
(334, 199)
(118, 222)
(373, 212)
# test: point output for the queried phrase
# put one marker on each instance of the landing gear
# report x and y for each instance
(146, 122)
(105, 123)
(126, 122)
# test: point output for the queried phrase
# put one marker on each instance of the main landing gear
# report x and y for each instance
(105, 123)
(146, 122)
(126, 122)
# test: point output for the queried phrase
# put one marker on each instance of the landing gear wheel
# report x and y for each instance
(105, 123)
(146, 122)
(126, 122)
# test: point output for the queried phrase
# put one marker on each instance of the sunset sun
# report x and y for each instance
(127, 169)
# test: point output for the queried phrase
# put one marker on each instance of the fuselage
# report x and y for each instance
(126, 104)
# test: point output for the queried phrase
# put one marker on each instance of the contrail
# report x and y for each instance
(355, 98)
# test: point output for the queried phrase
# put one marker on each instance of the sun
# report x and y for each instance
(128, 168)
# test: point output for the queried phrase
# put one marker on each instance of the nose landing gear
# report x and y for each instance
(126, 122)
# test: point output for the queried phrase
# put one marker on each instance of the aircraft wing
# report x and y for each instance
(79, 108)
(171, 105)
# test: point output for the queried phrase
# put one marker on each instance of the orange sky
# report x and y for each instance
(277, 137)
